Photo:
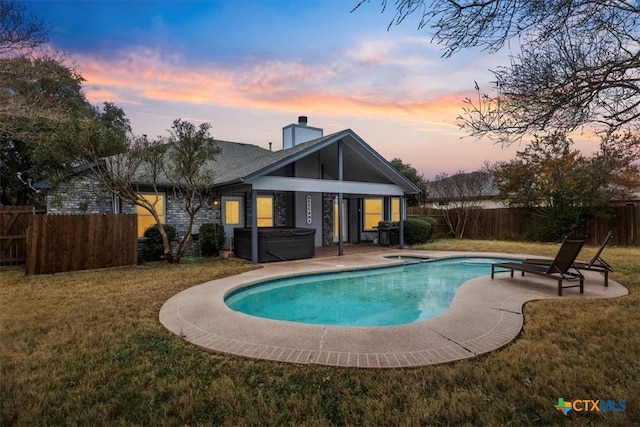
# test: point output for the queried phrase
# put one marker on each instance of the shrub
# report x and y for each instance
(431, 221)
(211, 239)
(153, 250)
(416, 231)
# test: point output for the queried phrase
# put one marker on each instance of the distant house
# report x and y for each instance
(322, 184)
(478, 190)
(473, 189)
(632, 200)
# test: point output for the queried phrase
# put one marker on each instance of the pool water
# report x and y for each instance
(385, 296)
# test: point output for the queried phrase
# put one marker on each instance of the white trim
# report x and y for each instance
(278, 183)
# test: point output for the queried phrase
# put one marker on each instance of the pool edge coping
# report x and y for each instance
(478, 321)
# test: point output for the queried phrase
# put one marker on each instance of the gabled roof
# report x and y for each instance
(231, 169)
(239, 162)
(263, 162)
(462, 186)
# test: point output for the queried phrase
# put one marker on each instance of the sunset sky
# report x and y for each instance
(250, 67)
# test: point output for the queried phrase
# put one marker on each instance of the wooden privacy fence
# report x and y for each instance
(58, 243)
(14, 222)
(513, 224)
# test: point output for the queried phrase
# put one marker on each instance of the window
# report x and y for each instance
(395, 209)
(373, 212)
(145, 219)
(264, 209)
(232, 212)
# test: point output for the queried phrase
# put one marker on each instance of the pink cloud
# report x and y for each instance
(143, 76)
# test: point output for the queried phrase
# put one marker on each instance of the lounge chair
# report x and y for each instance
(597, 263)
(561, 268)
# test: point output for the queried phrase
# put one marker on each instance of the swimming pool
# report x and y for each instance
(385, 296)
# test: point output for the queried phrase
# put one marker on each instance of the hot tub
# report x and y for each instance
(276, 244)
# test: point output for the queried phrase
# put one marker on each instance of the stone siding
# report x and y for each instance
(327, 218)
(86, 195)
(82, 196)
(177, 215)
(280, 209)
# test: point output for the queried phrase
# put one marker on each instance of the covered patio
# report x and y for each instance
(336, 185)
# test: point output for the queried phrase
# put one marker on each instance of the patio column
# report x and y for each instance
(340, 178)
(402, 218)
(254, 227)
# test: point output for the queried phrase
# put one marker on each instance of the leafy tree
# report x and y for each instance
(546, 177)
(37, 147)
(576, 63)
(561, 184)
(37, 88)
(614, 172)
(38, 93)
(412, 175)
(92, 133)
(462, 194)
(177, 161)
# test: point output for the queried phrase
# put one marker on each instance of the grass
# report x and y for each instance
(87, 348)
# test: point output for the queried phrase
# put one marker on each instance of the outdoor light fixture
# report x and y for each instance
(215, 201)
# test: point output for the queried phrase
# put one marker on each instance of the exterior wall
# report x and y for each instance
(295, 134)
(316, 214)
(84, 195)
(177, 215)
(308, 167)
(87, 196)
(281, 209)
(284, 205)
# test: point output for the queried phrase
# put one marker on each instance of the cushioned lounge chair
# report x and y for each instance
(597, 263)
(561, 268)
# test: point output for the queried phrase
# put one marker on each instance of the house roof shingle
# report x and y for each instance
(237, 161)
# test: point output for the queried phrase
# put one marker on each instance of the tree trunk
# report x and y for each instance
(184, 242)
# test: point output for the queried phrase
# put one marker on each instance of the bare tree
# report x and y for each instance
(19, 33)
(178, 162)
(190, 150)
(141, 161)
(577, 63)
(460, 196)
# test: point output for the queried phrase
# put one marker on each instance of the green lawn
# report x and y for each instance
(87, 348)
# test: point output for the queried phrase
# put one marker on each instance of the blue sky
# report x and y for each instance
(250, 67)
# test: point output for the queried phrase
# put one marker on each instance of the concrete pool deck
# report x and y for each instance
(485, 315)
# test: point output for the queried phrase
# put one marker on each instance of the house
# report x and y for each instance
(632, 199)
(335, 187)
(472, 189)
(478, 190)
